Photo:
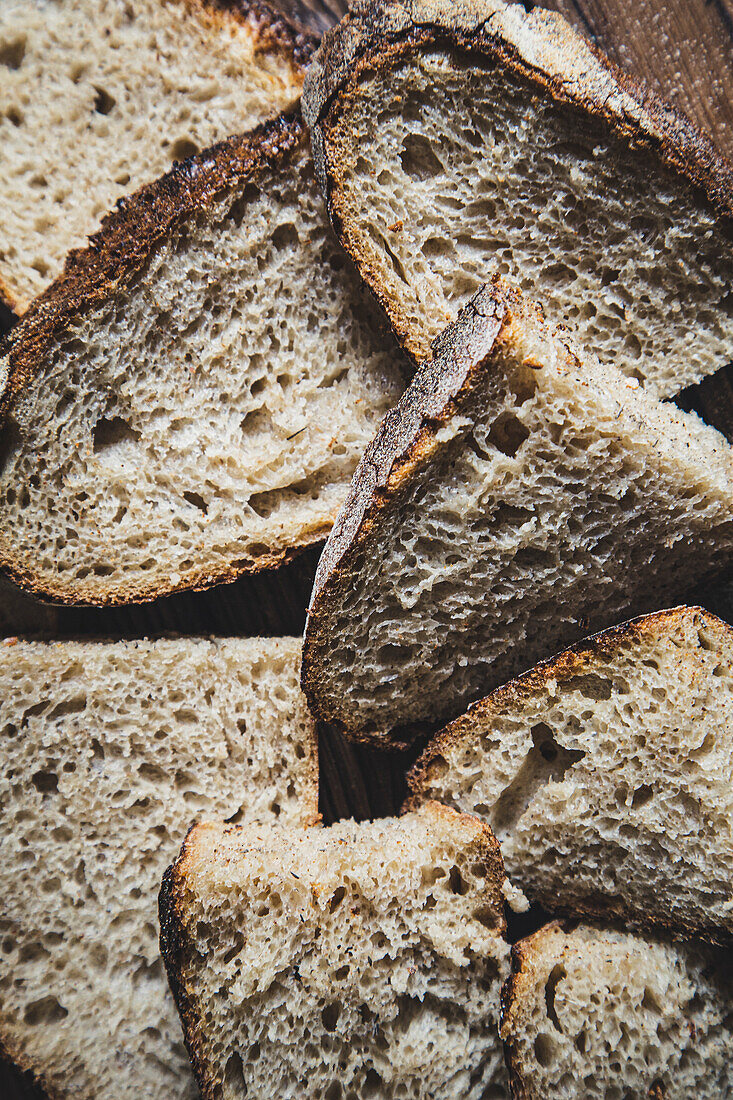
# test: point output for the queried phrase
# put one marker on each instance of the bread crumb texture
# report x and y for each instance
(447, 169)
(520, 493)
(125, 87)
(362, 960)
(602, 1015)
(605, 773)
(206, 419)
(109, 751)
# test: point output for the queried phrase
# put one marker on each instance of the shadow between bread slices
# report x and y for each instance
(187, 403)
(520, 494)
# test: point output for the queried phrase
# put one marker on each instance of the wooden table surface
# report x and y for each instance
(684, 49)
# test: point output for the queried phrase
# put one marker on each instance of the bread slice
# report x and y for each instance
(591, 1014)
(604, 774)
(189, 401)
(519, 493)
(458, 140)
(126, 87)
(359, 960)
(108, 752)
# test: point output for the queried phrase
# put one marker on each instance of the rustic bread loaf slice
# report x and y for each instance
(108, 752)
(189, 401)
(592, 1014)
(359, 960)
(125, 87)
(458, 140)
(518, 493)
(604, 774)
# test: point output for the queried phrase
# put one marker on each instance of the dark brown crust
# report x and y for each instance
(115, 256)
(564, 666)
(405, 440)
(275, 33)
(378, 34)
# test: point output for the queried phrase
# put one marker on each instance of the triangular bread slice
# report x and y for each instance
(605, 774)
(593, 1014)
(360, 960)
(454, 141)
(518, 494)
(126, 87)
(189, 401)
(108, 752)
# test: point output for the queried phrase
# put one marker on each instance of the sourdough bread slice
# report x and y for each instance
(605, 774)
(108, 752)
(592, 1014)
(354, 961)
(458, 140)
(189, 401)
(518, 493)
(126, 87)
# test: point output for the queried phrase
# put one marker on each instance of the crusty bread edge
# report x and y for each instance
(95, 274)
(378, 34)
(565, 665)
(271, 33)
(406, 439)
(521, 958)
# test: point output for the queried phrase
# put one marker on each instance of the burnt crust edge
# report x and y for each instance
(405, 440)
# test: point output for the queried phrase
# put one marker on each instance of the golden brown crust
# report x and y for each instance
(113, 259)
(405, 441)
(539, 47)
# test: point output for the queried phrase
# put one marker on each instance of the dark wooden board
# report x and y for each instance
(684, 50)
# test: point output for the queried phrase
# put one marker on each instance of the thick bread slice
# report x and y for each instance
(518, 493)
(126, 87)
(108, 752)
(605, 774)
(189, 401)
(355, 961)
(458, 140)
(592, 1014)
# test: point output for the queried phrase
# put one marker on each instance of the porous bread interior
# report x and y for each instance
(126, 87)
(557, 495)
(609, 780)
(454, 170)
(363, 960)
(605, 1015)
(206, 417)
(109, 751)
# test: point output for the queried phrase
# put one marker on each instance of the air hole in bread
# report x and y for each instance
(508, 433)
(183, 149)
(12, 53)
(418, 158)
(544, 1049)
(44, 1012)
(197, 501)
(556, 975)
(104, 103)
(110, 433)
(46, 782)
